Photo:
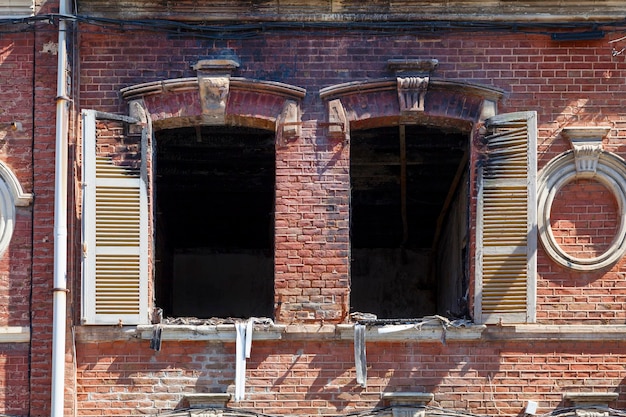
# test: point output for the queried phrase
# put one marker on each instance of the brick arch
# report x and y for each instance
(220, 100)
(370, 104)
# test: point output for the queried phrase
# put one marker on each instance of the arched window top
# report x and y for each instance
(216, 99)
(410, 100)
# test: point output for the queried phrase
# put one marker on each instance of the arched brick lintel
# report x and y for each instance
(180, 103)
(447, 104)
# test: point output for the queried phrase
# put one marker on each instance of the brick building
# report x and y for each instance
(312, 208)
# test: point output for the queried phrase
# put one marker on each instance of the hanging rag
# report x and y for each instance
(155, 341)
(360, 360)
(243, 347)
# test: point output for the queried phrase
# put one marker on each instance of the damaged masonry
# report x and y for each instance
(312, 208)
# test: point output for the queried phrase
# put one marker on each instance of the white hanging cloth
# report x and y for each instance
(360, 359)
(243, 347)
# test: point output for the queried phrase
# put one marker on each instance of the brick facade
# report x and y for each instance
(304, 364)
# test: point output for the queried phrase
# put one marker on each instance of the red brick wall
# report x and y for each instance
(585, 219)
(16, 75)
(566, 83)
(14, 388)
(316, 378)
(16, 69)
(44, 125)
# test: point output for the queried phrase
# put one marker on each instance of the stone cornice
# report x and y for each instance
(328, 11)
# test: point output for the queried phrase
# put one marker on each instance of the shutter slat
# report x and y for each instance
(506, 219)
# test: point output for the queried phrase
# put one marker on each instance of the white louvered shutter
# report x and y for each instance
(506, 233)
(115, 240)
(16, 8)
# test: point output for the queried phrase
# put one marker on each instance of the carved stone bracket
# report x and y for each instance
(587, 145)
(214, 83)
(413, 77)
(411, 93)
(288, 124)
(337, 120)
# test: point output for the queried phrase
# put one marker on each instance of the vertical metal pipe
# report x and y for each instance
(59, 299)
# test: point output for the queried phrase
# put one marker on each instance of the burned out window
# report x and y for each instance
(409, 209)
(214, 194)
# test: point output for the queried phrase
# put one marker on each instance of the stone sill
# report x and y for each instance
(601, 399)
(339, 332)
(546, 332)
(14, 334)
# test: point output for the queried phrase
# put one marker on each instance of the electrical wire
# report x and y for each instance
(251, 30)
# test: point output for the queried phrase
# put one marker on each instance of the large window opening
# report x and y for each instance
(214, 222)
(409, 209)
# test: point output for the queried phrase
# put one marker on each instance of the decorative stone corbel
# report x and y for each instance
(412, 77)
(214, 84)
(337, 120)
(288, 124)
(587, 145)
(489, 109)
(137, 110)
(411, 93)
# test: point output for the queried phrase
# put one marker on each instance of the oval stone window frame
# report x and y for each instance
(609, 170)
(11, 195)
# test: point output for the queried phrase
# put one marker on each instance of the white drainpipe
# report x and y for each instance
(59, 309)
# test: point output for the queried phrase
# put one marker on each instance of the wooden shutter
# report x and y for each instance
(115, 236)
(16, 8)
(506, 233)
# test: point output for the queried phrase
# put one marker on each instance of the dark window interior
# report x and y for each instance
(408, 221)
(214, 222)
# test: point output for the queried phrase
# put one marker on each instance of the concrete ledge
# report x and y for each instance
(226, 333)
(14, 334)
(314, 332)
(547, 332)
(590, 398)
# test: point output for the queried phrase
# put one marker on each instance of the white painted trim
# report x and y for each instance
(14, 334)
(611, 172)
(7, 217)
(20, 198)
(11, 195)
(558, 333)
(88, 212)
